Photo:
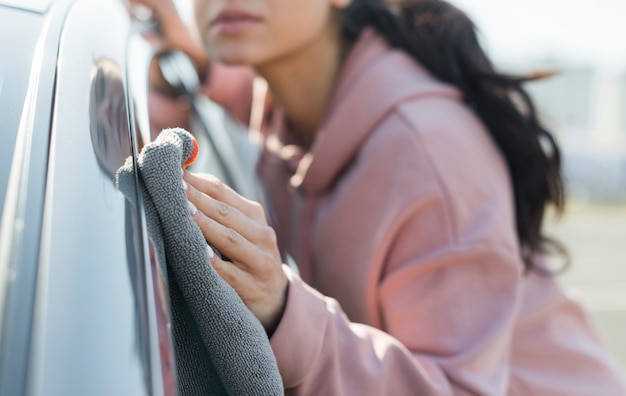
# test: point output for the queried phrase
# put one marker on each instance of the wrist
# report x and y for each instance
(273, 320)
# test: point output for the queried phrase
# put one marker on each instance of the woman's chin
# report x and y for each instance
(234, 61)
(236, 56)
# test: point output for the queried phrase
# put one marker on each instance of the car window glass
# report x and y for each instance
(15, 66)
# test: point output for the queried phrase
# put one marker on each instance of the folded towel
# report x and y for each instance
(220, 346)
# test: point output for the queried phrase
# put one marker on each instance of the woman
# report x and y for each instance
(409, 181)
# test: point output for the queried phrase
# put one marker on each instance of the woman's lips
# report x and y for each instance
(234, 20)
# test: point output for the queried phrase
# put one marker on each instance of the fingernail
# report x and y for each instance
(185, 186)
(210, 252)
(182, 172)
(192, 208)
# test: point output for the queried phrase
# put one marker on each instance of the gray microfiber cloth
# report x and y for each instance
(220, 346)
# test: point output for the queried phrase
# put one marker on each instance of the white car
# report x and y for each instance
(83, 306)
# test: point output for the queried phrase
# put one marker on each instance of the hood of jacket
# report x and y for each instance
(374, 80)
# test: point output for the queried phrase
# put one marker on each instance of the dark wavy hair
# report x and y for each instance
(444, 40)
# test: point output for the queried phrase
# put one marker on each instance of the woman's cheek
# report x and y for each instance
(202, 18)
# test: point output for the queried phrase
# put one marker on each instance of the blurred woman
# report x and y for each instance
(409, 180)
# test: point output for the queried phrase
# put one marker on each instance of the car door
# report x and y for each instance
(95, 326)
(23, 152)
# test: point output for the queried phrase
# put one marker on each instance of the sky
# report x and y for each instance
(573, 31)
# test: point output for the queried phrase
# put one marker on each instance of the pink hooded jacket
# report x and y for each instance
(401, 216)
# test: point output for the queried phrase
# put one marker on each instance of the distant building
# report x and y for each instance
(586, 110)
(564, 101)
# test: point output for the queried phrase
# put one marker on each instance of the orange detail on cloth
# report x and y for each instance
(193, 155)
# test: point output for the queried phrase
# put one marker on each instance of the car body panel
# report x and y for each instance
(22, 211)
(14, 81)
(96, 291)
(38, 6)
(77, 303)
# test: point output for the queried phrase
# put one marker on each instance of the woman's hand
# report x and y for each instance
(173, 34)
(237, 227)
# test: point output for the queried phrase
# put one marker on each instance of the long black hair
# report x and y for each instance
(443, 39)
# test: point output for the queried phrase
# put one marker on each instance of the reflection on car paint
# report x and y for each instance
(112, 146)
(108, 117)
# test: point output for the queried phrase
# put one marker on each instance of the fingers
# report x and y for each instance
(223, 213)
(238, 279)
(266, 299)
(240, 243)
(231, 231)
(215, 188)
(237, 228)
(232, 274)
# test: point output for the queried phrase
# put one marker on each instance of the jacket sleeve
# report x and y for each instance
(437, 341)
(444, 298)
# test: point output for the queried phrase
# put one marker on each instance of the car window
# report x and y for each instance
(15, 68)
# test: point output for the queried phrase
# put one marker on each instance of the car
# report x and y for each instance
(79, 297)
(83, 303)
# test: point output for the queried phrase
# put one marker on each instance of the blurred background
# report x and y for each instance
(585, 107)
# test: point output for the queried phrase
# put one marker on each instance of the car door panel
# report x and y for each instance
(95, 319)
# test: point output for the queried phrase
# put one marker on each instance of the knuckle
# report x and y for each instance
(256, 206)
(269, 236)
(231, 236)
(216, 186)
(222, 209)
(268, 260)
(258, 210)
